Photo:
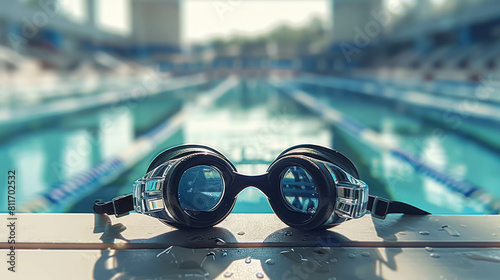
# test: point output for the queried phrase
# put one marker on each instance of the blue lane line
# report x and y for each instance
(454, 89)
(357, 130)
(83, 182)
(480, 109)
(463, 187)
(62, 194)
(77, 103)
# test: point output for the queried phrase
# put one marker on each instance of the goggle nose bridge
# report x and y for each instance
(243, 181)
(352, 192)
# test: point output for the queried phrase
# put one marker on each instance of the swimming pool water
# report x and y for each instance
(251, 125)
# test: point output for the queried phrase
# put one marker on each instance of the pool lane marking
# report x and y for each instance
(412, 97)
(74, 104)
(455, 90)
(374, 140)
(64, 193)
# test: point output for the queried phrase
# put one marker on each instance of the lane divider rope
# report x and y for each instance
(63, 194)
(376, 141)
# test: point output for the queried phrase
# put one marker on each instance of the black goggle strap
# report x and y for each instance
(119, 206)
(380, 207)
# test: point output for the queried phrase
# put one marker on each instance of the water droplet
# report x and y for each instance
(292, 255)
(332, 278)
(270, 261)
(211, 254)
(352, 255)
(224, 254)
(429, 249)
(248, 260)
(220, 242)
(365, 254)
(241, 233)
(424, 232)
(319, 252)
(490, 256)
(464, 226)
(494, 234)
(435, 255)
(259, 274)
(450, 230)
(228, 274)
(165, 252)
(288, 233)
(333, 260)
(402, 233)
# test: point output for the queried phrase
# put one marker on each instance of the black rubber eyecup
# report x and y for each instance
(184, 150)
(325, 188)
(324, 154)
(199, 219)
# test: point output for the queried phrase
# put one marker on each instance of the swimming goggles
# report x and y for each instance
(308, 187)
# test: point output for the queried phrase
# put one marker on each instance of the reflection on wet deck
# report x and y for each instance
(257, 246)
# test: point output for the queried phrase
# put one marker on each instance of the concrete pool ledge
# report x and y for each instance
(83, 246)
(136, 231)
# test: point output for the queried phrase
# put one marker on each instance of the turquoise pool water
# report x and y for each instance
(251, 125)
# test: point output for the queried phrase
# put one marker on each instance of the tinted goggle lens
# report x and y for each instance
(308, 187)
(299, 190)
(200, 188)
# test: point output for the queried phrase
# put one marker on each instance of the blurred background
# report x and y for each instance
(92, 90)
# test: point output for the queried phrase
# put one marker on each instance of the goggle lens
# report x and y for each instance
(200, 188)
(194, 186)
(299, 190)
